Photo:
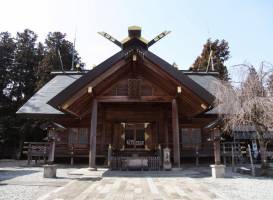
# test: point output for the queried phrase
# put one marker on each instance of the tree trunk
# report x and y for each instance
(262, 145)
(263, 153)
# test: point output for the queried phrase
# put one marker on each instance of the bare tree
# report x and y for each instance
(248, 104)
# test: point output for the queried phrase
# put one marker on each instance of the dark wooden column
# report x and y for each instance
(216, 144)
(166, 131)
(175, 127)
(93, 135)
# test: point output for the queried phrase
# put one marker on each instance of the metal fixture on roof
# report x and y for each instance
(134, 32)
(210, 61)
(110, 38)
(61, 62)
(158, 37)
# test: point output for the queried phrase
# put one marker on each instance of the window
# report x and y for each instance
(83, 136)
(78, 135)
(134, 88)
(135, 135)
(191, 137)
(72, 135)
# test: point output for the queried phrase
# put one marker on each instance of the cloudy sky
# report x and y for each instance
(247, 25)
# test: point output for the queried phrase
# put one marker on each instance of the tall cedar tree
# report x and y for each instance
(19, 85)
(7, 47)
(220, 54)
(25, 66)
(51, 61)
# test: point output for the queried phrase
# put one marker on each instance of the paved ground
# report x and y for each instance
(135, 185)
(21, 182)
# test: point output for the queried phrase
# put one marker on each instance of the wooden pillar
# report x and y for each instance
(52, 151)
(216, 144)
(93, 134)
(175, 127)
(166, 131)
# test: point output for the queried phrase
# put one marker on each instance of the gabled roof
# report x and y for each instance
(181, 77)
(107, 64)
(49, 99)
(87, 78)
(37, 104)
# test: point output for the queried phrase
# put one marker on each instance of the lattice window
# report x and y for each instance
(191, 137)
(78, 135)
(83, 136)
(134, 88)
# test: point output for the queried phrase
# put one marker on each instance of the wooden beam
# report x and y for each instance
(127, 99)
(95, 82)
(216, 144)
(166, 130)
(186, 91)
(93, 135)
(175, 127)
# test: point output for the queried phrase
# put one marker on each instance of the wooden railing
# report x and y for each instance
(232, 152)
(37, 150)
(142, 163)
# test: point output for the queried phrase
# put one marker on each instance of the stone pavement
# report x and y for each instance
(118, 185)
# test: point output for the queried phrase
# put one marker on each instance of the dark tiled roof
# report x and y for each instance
(82, 81)
(37, 104)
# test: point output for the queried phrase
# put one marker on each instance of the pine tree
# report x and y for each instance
(219, 51)
(25, 66)
(22, 72)
(7, 47)
(55, 42)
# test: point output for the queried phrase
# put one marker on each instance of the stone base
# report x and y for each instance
(50, 171)
(92, 169)
(176, 169)
(218, 171)
(167, 166)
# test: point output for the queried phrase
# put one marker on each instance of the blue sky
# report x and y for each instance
(246, 25)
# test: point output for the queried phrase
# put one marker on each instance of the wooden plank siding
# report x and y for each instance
(109, 130)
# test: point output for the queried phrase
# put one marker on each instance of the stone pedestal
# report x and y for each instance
(166, 159)
(92, 169)
(50, 171)
(218, 171)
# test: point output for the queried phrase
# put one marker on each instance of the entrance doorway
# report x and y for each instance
(135, 135)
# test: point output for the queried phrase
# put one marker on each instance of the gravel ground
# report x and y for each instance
(241, 187)
(21, 182)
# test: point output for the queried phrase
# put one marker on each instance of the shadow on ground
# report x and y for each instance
(9, 174)
(191, 173)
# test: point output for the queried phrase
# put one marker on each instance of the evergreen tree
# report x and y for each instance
(7, 47)
(22, 71)
(25, 66)
(51, 61)
(219, 51)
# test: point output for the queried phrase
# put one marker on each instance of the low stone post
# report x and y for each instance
(196, 156)
(109, 156)
(217, 170)
(50, 171)
(160, 155)
(29, 157)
